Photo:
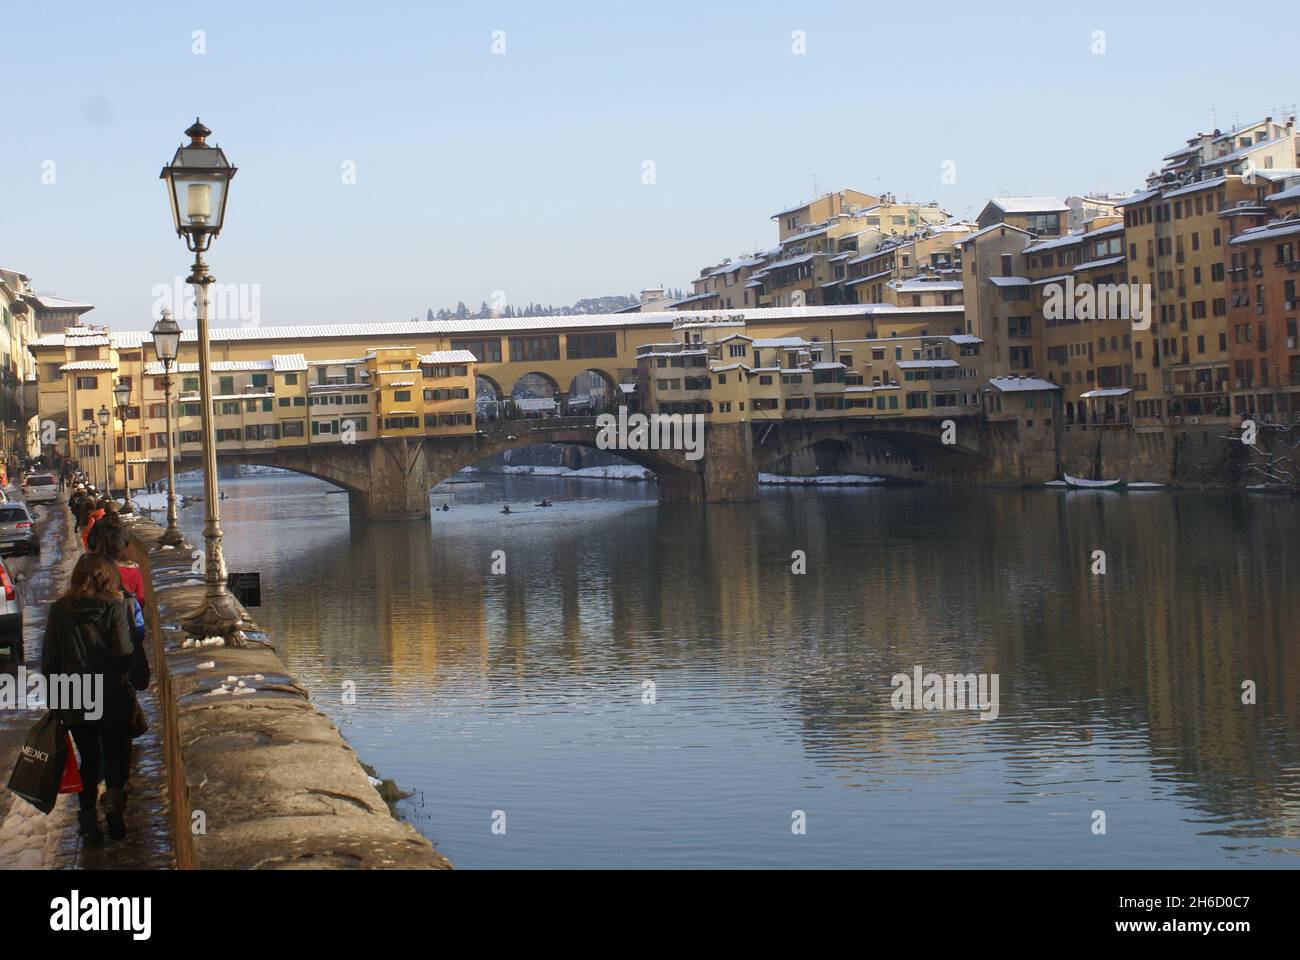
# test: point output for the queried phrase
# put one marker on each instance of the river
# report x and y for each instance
(653, 686)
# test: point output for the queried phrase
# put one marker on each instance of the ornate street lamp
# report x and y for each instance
(166, 345)
(122, 397)
(198, 183)
(105, 421)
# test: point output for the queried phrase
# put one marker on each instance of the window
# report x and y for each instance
(87, 383)
(401, 396)
(584, 345)
(534, 348)
(291, 379)
(485, 351)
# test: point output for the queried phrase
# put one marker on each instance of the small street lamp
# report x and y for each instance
(198, 183)
(122, 397)
(91, 436)
(166, 345)
(105, 419)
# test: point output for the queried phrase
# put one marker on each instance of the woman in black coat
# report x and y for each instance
(87, 635)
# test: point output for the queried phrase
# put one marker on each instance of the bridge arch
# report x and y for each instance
(522, 383)
(582, 395)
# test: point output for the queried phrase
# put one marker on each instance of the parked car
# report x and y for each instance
(11, 615)
(42, 488)
(17, 534)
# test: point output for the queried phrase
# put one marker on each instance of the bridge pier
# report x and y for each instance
(726, 473)
(398, 487)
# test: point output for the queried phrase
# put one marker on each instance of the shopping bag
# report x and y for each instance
(40, 763)
(71, 782)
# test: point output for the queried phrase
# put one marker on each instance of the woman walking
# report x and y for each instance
(87, 634)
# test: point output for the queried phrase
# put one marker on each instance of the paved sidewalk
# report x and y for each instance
(28, 839)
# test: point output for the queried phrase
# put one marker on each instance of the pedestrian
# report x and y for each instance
(111, 541)
(87, 635)
(93, 517)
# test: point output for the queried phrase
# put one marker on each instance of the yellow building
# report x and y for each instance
(717, 368)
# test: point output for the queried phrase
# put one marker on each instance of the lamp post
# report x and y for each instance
(90, 436)
(166, 344)
(198, 182)
(122, 396)
(105, 420)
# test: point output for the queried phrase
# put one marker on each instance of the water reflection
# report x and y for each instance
(524, 691)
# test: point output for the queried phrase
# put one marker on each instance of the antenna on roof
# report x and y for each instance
(1214, 119)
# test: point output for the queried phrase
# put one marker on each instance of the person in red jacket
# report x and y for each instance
(102, 509)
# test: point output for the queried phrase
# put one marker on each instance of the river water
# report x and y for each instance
(652, 685)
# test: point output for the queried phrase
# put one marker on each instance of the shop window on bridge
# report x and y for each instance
(190, 383)
(401, 396)
(157, 440)
(291, 379)
(698, 383)
(189, 436)
(534, 348)
(259, 380)
(288, 428)
(228, 407)
(262, 431)
(324, 427)
(485, 351)
(232, 435)
(87, 383)
(189, 409)
(360, 424)
(918, 401)
(582, 346)
(227, 385)
(400, 423)
(796, 403)
(157, 411)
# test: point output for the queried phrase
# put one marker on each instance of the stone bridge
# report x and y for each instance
(390, 479)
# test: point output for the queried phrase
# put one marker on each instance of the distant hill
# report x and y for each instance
(607, 304)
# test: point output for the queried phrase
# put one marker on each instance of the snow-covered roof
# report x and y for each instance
(1269, 231)
(1009, 281)
(972, 237)
(288, 362)
(1022, 384)
(923, 364)
(1104, 262)
(448, 356)
(89, 365)
(1029, 204)
(1106, 392)
(1195, 187)
(919, 286)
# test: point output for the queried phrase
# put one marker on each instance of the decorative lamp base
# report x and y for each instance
(219, 616)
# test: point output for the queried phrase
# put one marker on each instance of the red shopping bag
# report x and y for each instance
(71, 782)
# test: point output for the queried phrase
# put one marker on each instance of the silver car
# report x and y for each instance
(42, 488)
(17, 533)
(11, 615)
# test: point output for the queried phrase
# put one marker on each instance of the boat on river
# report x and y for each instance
(1078, 483)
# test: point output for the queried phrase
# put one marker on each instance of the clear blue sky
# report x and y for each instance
(522, 172)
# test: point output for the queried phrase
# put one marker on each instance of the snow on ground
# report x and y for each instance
(149, 501)
(821, 480)
(616, 471)
(630, 471)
